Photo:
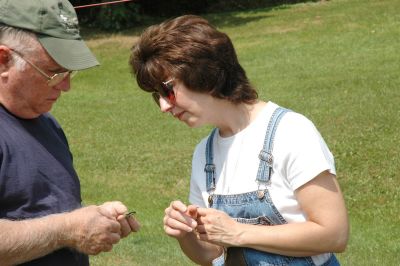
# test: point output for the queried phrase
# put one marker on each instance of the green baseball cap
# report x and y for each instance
(56, 26)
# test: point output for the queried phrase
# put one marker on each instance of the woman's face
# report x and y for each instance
(192, 108)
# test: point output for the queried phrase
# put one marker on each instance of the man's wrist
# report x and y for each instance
(64, 229)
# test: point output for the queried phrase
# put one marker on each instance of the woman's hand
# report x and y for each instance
(179, 219)
(217, 227)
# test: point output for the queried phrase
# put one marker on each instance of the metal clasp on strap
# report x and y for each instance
(267, 157)
(209, 168)
(260, 192)
(210, 200)
(210, 172)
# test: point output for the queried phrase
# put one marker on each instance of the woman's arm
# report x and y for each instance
(326, 228)
(180, 223)
(200, 252)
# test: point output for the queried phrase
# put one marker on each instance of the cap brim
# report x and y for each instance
(70, 54)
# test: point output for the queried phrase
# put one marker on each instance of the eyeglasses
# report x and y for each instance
(53, 80)
(165, 90)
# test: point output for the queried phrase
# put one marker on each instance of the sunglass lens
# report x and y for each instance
(165, 90)
(168, 91)
(171, 97)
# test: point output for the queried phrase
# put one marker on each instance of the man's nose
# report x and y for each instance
(64, 85)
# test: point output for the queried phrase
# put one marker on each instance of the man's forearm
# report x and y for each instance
(26, 240)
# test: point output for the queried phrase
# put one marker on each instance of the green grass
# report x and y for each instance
(337, 62)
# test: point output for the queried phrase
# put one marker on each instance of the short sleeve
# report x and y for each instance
(305, 153)
(198, 177)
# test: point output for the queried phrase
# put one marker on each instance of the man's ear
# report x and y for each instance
(5, 58)
(5, 55)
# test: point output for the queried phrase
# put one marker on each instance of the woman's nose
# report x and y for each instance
(165, 105)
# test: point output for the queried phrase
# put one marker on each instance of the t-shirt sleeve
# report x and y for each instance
(57, 129)
(195, 197)
(198, 177)
(1, 157)
(307, 154)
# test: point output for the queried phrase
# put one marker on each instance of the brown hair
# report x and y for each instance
(193, 51)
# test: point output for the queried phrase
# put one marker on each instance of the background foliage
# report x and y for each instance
(125, 15)
(337, 62)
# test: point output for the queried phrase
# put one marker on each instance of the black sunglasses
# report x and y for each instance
(165, 90)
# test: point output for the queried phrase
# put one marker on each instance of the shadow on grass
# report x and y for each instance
(228, 19)
(231, 18)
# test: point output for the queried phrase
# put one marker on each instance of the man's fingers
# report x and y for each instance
(114, 238)
(113, 208)
(133, 223)
(125, 227)
(119, 207)
(115, 227)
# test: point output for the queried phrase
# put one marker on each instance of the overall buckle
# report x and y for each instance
(209, 168)
(267, 157)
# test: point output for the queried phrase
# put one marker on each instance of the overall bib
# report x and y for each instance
(254, 207)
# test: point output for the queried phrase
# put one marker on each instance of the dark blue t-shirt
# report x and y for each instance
(37, 176)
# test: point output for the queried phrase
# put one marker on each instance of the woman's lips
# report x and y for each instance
(179, 115)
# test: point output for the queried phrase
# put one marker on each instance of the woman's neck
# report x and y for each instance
(233, 118)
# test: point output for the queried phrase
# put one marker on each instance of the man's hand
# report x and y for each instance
(96, 229)
(116, 209)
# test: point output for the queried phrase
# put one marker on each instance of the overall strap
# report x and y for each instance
(210, 166)
(266, 159)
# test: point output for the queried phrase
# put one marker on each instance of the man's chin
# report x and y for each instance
(45, 108)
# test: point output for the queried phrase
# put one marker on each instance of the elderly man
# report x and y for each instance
(42, 221)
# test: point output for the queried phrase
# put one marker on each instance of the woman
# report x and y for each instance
(261, 165)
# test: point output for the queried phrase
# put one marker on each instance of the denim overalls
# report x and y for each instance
(253, 207)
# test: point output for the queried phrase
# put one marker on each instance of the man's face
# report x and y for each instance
(26, 93)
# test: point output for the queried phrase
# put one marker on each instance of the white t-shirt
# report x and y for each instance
(299, 152)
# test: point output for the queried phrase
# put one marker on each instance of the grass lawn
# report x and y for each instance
(337, 62)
